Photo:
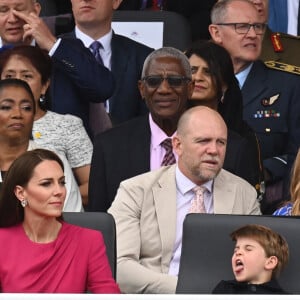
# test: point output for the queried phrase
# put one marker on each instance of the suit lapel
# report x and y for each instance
(119, 61)
(223, 195)
(255, 83)
(164, 194)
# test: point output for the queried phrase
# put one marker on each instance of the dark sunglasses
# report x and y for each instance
(175, 81)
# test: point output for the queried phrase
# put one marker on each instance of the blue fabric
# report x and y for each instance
(284, 210)
(278, 15)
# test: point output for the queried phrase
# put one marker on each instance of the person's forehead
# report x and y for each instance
(16, 2)
(241, 11)
(166, 64)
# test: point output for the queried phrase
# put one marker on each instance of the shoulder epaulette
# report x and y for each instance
(282, 67)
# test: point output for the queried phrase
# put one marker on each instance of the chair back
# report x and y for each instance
(207, 250)
(176, 28)
(101, 221)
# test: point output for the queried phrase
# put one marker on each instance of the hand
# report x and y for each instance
(35, 28)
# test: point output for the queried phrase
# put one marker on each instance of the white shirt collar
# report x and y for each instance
(87, 40)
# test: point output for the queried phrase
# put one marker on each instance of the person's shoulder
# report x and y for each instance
(123, 129)
(280, 52)
(285, 210)
(150, 178)
(81, 232)
(240, 184)
(130, 43)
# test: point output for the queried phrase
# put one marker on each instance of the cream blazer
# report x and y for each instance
(145, 213)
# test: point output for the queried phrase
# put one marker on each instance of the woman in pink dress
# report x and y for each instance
(41, 253)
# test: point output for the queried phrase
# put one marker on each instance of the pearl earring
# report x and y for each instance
(24, 202)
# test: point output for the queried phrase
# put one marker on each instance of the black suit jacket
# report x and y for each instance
(126, 66)
(124, 151)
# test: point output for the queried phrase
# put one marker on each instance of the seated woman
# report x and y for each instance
(17, 109)
(63, 133)
(42, 253)
(292, 207)
(217, 88)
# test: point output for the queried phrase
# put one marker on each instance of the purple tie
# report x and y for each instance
(99, 120)
(169, 158)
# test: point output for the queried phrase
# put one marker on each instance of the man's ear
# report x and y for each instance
(191, 86)
(141, 86)
(215, 33)
(176, 144)
(37, 8)
(116, 4)
(271, 263)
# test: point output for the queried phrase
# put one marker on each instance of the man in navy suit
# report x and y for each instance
(76, 79)
(123, 56)
(270, 97)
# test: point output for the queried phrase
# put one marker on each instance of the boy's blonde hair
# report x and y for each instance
(272, 242)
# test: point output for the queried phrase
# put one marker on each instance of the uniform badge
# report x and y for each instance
(270, 101)
(276, 42)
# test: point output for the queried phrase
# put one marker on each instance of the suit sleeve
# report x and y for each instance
(94, 81)
(98, 194)
(132, 276)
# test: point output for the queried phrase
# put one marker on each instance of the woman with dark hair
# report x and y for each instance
(215, 83)
(217, 88)
(63, 133)
(17, 110)
(42, 253)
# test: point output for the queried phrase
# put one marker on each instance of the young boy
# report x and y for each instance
(259, 256)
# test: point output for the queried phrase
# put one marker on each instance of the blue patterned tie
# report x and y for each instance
(95, 47)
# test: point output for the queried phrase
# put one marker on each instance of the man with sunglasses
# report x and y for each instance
(149, 209)
(270, 97)
(135, 147)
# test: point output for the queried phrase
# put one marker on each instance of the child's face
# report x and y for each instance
(249, 262)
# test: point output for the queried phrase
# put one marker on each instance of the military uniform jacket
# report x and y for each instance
(271, 100)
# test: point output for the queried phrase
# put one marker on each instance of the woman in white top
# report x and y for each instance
(64, 133)
(17, 109)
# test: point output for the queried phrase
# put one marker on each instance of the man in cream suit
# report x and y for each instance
(149, 209)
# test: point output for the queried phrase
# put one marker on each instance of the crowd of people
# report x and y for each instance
(94, 121)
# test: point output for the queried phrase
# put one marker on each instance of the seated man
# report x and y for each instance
(136, 146)
(149, 209)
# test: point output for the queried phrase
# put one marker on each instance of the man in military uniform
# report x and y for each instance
(280, 51)
(270, 97)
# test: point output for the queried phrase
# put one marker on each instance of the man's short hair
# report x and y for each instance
(168, 52)
(219, 11)
(272, 242)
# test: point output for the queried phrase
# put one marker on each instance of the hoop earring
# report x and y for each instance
(24, 202)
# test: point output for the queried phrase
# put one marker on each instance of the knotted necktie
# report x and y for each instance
(99, 120)
(169, 157)
(152, 4)
(197, 203)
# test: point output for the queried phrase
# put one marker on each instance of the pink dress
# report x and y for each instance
(74, 263)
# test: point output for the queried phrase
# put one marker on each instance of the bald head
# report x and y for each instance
(200, 144)
(199, 114)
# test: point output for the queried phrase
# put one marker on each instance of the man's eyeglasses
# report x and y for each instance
(243, 28)
(174, 81)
